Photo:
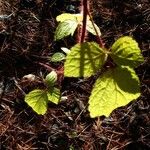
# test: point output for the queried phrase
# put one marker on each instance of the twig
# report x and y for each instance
(49, 68)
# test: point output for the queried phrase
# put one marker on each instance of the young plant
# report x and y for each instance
(118, 85)
(68, 23)
(38, 99)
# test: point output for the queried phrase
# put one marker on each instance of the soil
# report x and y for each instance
(27, 42)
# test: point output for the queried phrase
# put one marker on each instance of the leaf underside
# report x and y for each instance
(65, 28)
(84, 60)
(126, 52)
(115, 88)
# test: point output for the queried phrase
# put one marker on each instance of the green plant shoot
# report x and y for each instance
(115, 87)
(38, 99)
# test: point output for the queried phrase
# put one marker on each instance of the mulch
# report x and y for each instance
(26, 42)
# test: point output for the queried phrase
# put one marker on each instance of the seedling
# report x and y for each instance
(38, 99)
(118, 85)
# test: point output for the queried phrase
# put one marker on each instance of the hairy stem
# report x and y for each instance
(100, 41)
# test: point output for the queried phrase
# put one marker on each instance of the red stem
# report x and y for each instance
(50, 68)
(85, 13)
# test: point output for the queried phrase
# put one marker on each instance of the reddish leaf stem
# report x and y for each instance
(59, 72)
(84, 10)
(100, 41)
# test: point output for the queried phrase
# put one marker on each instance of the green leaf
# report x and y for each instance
(91, 29)
(65, 28)
(57, 57)
(115, 88)
(84, 60)
(37, 99)
(51, 79)
(54, 95)
(65, 16)
(126, 52)
(65, 50)
(79, 17)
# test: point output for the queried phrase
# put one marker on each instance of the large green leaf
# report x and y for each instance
(65, 28)
(37, 99)
(84, 60)
(115, 88)
(54, 95)
(125, 51)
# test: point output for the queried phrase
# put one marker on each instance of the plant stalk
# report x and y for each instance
(84, 10)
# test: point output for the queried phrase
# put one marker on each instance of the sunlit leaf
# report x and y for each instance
(37, 100)
(125, 51)
(65, 16)
(65, 28)
(79, 17)
(57, 57)
(54, 95)
(115, 88)
(84, 60)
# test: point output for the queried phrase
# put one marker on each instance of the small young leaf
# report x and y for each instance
(54, 95)
(57, 57)
(51, 79)
(84, 60)
(65, 28)
(65, 50)
(37, 99)
(115, 88)
(91, 29)
(126, 52)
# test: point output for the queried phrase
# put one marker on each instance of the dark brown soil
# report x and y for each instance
(26, 42)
